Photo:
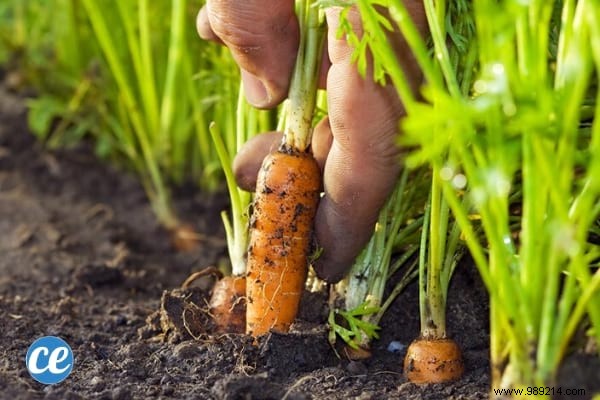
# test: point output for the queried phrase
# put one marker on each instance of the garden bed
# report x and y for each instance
(82, 258)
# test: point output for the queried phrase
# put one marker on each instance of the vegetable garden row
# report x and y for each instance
(501, 162)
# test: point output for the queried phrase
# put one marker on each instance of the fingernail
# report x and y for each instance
(255, 91)
(330, 272)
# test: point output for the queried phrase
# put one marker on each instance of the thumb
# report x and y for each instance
(263, 39)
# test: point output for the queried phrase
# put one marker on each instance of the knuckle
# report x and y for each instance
(203, 26)
(376, 148)
(364, 120)
(235, 35)
(244, 30)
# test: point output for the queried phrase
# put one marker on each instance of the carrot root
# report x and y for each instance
(228, 304)
(433, 361)
(287, 194)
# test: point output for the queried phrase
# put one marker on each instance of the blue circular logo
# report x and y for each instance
(49, 360)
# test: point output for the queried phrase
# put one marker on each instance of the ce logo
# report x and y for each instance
(49, 360)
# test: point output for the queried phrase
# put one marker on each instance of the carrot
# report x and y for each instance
(433, 357)
(433, 361)
(228, 304)
(287, 194)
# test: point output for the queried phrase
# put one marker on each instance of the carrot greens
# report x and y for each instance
(362, 290)
(508, 103)
(133, 76)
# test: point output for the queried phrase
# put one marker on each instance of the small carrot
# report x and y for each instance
(285, 204)
(228, 304)
(433, 361)
(433, 357)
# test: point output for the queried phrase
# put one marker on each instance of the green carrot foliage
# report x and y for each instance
(135, 77)
(507, 119)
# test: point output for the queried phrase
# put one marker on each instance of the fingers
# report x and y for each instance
(249, 159)
(321, 142)
(263, 38)
(355, 146)
(362, 165)
(203, 27)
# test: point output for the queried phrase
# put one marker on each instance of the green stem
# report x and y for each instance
(424, 312)
(237, 232)
(436, 20)
(147, 80)
(411, 273)
(303, 87)
(159, 195)
(453, 254)
(435, 325)
(393, 216)
(174, 59)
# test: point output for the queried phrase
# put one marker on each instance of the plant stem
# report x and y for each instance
(236, 232)
(248, 123)
(159, 194)
(371, 271)
(435, 326)
(303, 87)
(436, 17)
(174, 59)
(423, 310)
(145, 66)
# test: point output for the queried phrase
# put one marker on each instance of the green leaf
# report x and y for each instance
(359, 327)
(42, 112)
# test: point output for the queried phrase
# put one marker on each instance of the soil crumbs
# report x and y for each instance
(82, 258)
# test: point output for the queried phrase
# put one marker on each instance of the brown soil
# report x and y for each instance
(82, 258)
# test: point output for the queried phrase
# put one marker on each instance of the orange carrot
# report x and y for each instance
(287, 194)
(433, 361)
(228, 304)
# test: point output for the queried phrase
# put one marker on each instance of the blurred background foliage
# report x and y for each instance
(131, 75)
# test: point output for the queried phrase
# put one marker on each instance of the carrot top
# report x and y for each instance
(302, 97)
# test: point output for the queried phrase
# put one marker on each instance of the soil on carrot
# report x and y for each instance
(82, 258)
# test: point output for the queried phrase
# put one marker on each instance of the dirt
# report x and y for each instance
(82, 258)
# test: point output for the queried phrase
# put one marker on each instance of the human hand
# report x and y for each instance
(355, 145)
